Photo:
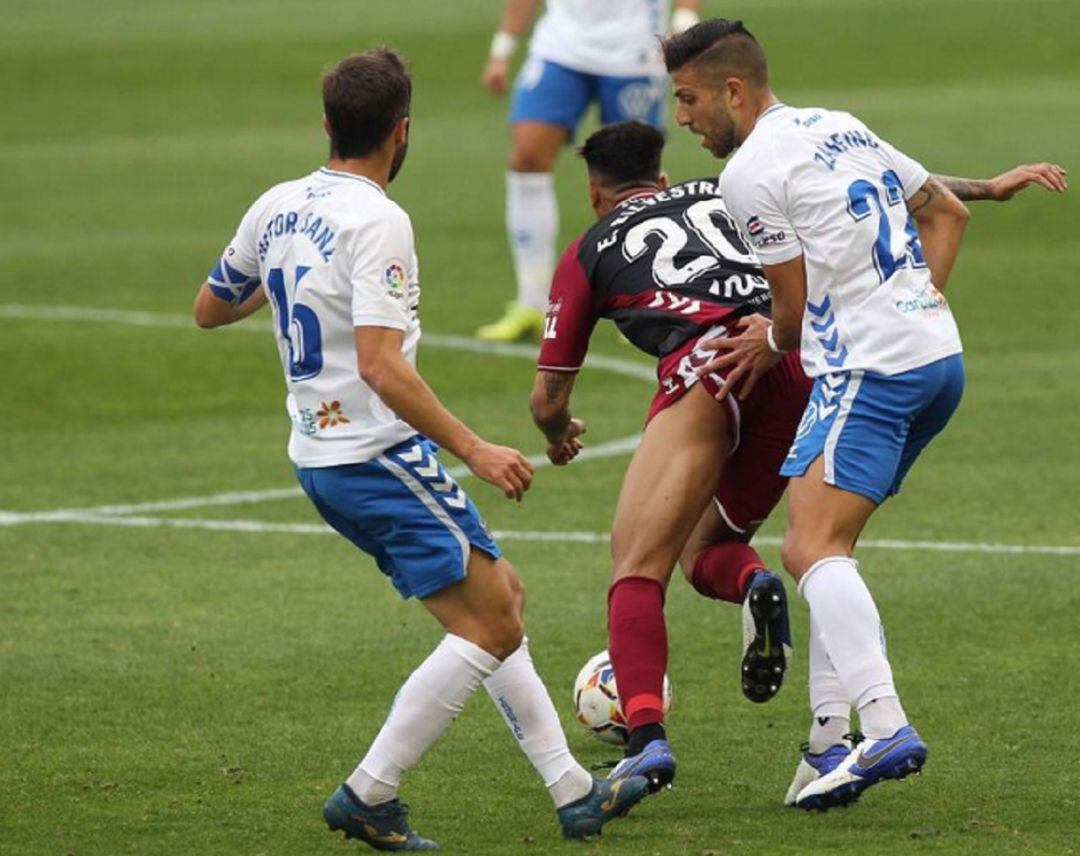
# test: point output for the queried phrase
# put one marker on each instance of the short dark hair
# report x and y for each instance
(722, 46)
(623, 153)
(364, 97)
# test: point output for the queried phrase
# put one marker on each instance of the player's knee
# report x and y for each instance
(504, 636)
(798, 552)
(527, 159)
(687, 561)
(791, 551)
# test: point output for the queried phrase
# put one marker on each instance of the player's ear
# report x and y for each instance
(401, 132)
(326, 125)
(734, 91)
(595, 197)
(663, 181)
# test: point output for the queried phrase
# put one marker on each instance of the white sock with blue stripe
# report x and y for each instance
(532, 224)
(525, 705)
(423, 708)
(851, 630)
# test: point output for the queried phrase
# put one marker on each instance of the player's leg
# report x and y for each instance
(668, 483)
(445, 556)
(583, 804)
(830, 738)
(829, 746)
(549, 101)
(856, 439)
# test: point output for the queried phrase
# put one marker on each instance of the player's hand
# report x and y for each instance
(746, 357)
(496, 76)
(1048, 175)
(564, 451)
(501, 466)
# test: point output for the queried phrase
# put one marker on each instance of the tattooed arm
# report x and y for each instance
(941, 219)
(1008, 184)
(550, 404)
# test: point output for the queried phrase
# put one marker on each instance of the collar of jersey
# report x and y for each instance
(630, 199)
(363, 179)
(774, 109)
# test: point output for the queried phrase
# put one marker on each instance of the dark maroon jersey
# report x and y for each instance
(663, 266)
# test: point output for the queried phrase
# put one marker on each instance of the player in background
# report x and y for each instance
(334, 256)
(582, 51)
(857, 241)
(667, 264)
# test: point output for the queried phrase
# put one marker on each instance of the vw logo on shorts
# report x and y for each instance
(636, 100)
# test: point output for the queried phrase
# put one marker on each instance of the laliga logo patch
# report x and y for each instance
(394, 277)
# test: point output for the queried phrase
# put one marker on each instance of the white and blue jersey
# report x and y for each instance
(334, 253)
(877, 336)
(818, 183)
(603, 51)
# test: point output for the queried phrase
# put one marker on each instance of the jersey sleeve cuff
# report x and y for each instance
(370, 320)
(778, 255)
(566, 369)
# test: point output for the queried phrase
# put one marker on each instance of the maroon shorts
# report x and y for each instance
(762, 427)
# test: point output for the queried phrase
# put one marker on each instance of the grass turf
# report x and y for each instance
(184, 691)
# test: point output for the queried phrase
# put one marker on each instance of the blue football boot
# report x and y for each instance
(766, 637)
(609, 798)
(812, 766)
(384, 826)
(655, 762)
(870, 762)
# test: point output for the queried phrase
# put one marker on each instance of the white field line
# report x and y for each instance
(131, 318)
(569, 537)
(125, 515)
(610, 449)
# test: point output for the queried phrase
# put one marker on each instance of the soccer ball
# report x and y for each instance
(596, 700)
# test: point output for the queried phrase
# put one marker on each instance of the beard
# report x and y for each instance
(723, 144)
(398, 161)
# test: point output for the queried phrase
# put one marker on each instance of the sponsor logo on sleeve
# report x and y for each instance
(759, 234)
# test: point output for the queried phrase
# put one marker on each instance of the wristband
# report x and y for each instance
(771, 342)
(503, 45)
(683, 19)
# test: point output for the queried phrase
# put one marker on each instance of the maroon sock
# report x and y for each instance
(637, 644)
(723, 570)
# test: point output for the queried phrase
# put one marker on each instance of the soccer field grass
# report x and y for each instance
(196, 677)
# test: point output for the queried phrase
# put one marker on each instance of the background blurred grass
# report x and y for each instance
(171, 691)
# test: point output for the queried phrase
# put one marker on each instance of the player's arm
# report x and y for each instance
(570, 320)
(941, 219)
(517, 17)
(550, 405)
(761, 342)
(384, 368)
(1008, 184)
(210, 310)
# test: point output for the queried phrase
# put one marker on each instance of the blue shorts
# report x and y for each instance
(871, 427)
(405, 511)
(548, 92)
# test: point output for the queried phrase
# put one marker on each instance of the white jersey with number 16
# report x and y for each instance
(819, 183)
(333, 253)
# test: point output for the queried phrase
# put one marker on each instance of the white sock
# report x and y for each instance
(828, 700)
(520, 696)
(532, 224)
(423, 708)
(849, 625)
